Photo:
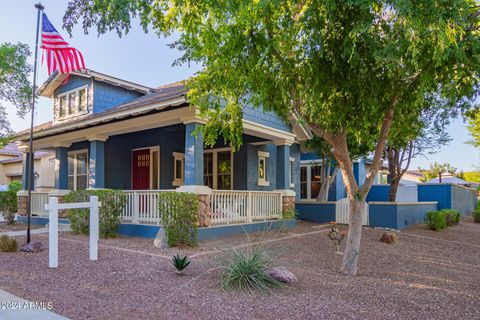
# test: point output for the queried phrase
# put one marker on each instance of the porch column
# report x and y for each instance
(96, 163)
(26, 172)
(359, 171)
(283, 175)
(283, 167)
(193, 168)
(61, 167)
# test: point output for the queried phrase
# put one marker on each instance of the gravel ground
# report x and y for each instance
(425, 275)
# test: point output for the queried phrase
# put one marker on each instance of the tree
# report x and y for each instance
(15, 86)
(474, 127)
(347, 69)
(425, 135)
(436, 170)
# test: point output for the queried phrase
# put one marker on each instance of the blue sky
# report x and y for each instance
(147, 59)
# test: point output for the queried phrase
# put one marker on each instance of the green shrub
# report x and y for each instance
(246, 271)
(452, 217)
(476, 215)
(179, 217)
(8, 201)
(110, 213)
(289, 214)
(436, 220)
(8, 244)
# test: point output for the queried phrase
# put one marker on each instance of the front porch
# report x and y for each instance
(165, 153)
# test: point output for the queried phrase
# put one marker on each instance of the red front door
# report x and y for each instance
(141, 169)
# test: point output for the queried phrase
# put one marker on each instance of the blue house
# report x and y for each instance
(112, 133)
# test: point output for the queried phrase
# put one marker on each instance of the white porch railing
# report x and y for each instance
(142, 206)
(227, 206)
(39, 199)
(245, 206)
(342, 212)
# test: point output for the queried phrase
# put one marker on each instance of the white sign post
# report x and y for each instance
(53, 206)
(52, 232)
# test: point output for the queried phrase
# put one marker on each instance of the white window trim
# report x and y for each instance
(77, 97)
(262, 155)
(152, 150)
(215, 165)
(178, 156)
(292, 164)
(75, 175)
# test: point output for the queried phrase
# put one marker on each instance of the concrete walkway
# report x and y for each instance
(61, 228)
(15, 308)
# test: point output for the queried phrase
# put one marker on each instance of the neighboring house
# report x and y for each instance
(112, 133)
(11, 159)
(412, 177)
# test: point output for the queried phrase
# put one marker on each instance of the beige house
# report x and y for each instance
(11, 167)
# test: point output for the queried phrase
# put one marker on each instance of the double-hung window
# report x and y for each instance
(78, 170)
(73, 102)
(178, 168)
(262, 168)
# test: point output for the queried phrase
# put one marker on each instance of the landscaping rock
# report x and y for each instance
(388, 237)
(281, 274)
(160, 239)
(33, 246)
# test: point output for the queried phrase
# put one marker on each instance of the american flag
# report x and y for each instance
(59, 55)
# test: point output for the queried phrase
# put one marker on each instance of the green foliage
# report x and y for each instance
(15, 85)
(472, 176)
(289, 214)
(435, 170)
(180, 263)
(436, 220)
(476, 215)
(110, 213)
(245, 271)
(8, 244)
(452, 217)
(474, 127)
(8, 201)
(179, 217)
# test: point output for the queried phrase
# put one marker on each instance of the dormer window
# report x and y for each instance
(73, 102)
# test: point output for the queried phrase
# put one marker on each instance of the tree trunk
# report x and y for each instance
(392, 193)
(352, 250)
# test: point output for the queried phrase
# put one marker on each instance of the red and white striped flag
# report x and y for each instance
(58, 53)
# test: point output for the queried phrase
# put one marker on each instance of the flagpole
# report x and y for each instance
(30, 155)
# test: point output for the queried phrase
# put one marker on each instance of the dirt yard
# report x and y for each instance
(425, 275)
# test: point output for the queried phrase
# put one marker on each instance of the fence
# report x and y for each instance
(342, 212)
(38, 202)
(142, 206)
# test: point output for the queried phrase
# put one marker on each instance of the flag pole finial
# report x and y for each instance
(39, 6)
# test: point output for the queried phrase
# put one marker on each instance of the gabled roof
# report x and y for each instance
(56, 79)
(10, 149)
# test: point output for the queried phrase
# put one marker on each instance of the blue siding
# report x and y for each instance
(359, 171)
(252, 167)
(295, 153)
(316, 212)
(267, 118)
(106, 96)
(72, 82)
(118, 154)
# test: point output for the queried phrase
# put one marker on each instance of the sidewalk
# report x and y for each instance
(15, 308)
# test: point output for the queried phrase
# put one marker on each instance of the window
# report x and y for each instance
(262, 168)
(218, 169)
(292, 166)
(310, 179)
(303, 183)
(178, 168)
(72, 103)
(77, 170)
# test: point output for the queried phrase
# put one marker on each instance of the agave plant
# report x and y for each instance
(180, 263)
